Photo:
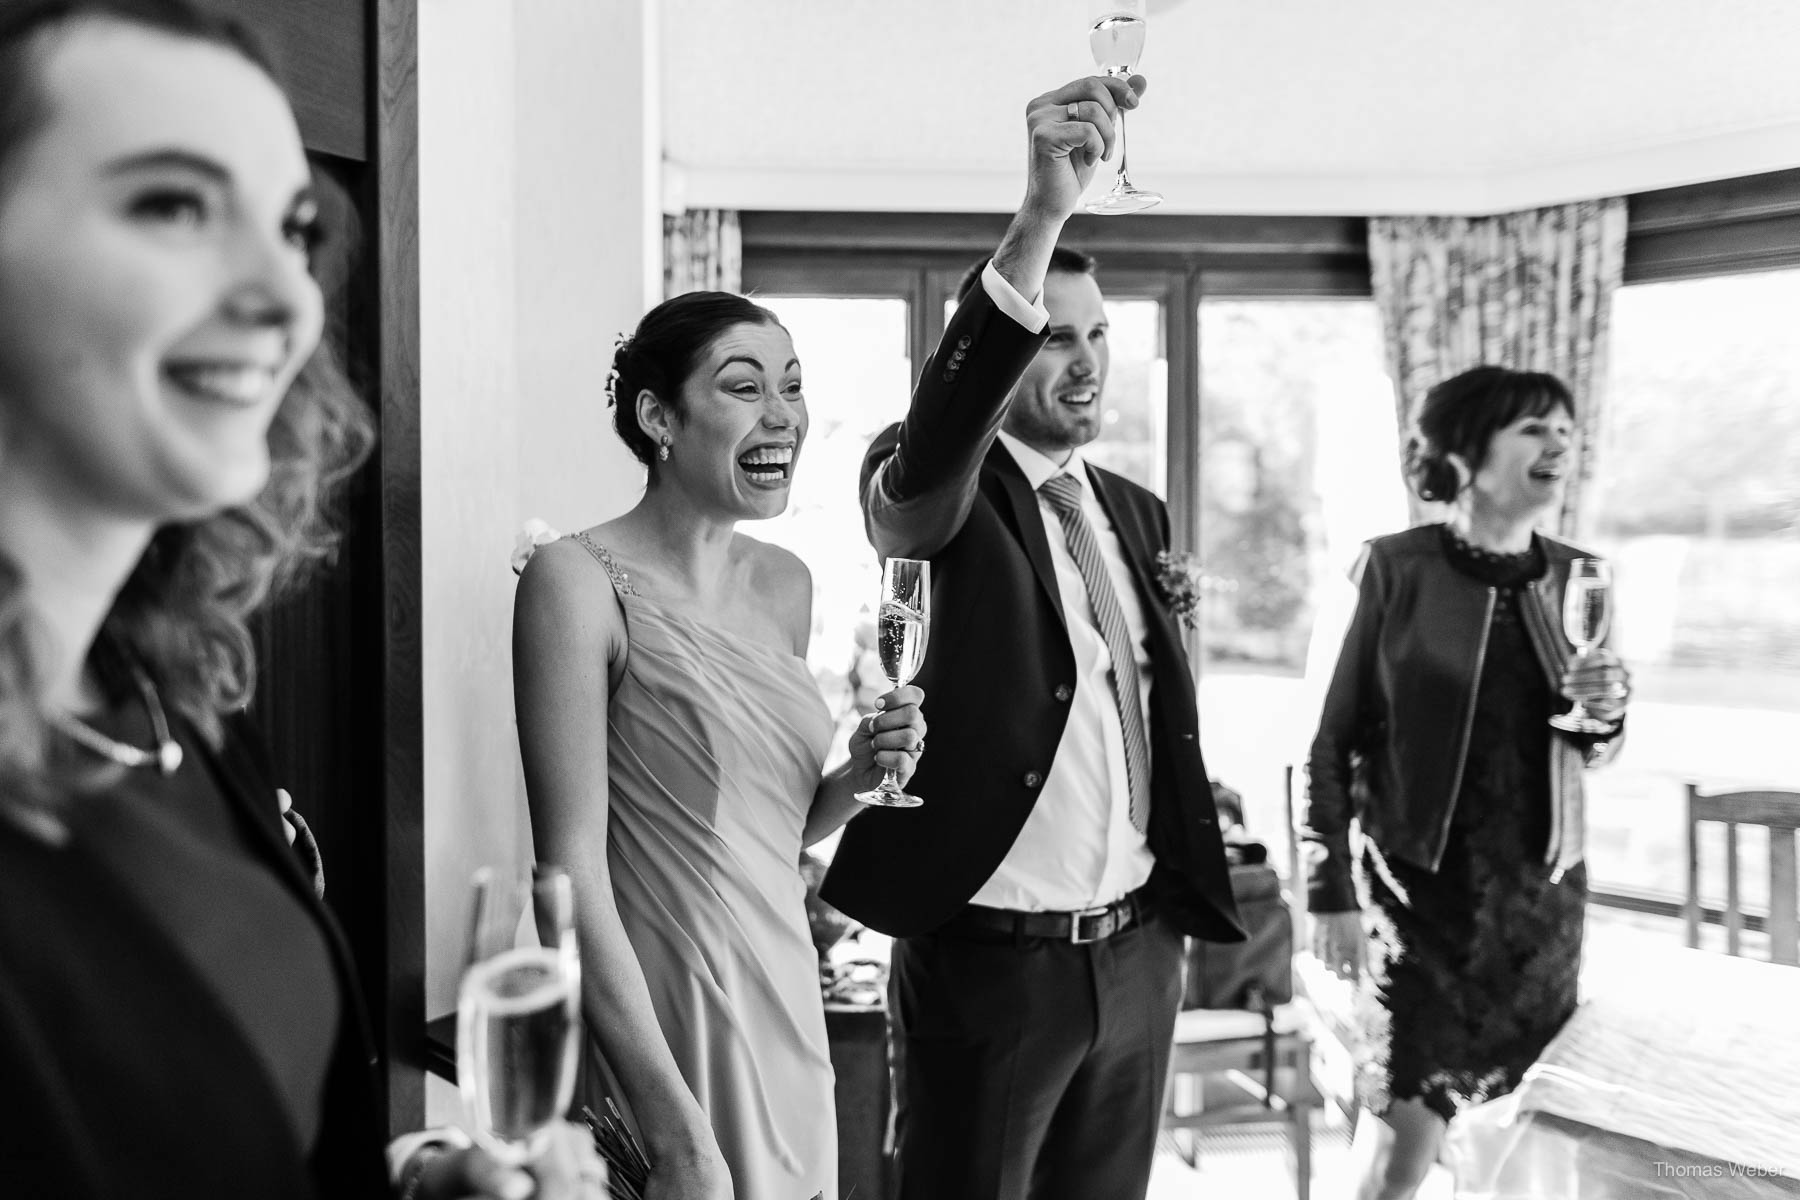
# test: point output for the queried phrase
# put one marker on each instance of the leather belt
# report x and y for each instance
(1076, 928)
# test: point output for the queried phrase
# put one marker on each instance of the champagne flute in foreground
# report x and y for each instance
(902, 628)
(1586, 614)
(1117, 40)
(517, 1015)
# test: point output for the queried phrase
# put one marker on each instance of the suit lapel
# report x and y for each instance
(1027, 520)
(244, 782)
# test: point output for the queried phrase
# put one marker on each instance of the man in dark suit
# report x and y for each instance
(1067, 839)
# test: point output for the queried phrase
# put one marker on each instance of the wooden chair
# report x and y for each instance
(1243, 1068)
(1249, 1066)
(1779, 813)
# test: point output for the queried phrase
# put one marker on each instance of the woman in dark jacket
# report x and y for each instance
(1462, 911)
(178, 1014)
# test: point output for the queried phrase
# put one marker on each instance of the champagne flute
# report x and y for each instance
(1586, 614)
(517, 1014)
(1117, 39)
(902, 628)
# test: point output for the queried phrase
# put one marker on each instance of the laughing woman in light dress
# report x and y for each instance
(673, 741)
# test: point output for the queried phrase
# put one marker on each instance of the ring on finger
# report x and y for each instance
(1074, 111)
(920, 748)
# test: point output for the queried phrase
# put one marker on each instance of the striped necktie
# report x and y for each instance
(1063, 491)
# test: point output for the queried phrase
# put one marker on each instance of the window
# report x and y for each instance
(1298, 466)
(1134, 433)
(858, 378)
(1699, 510)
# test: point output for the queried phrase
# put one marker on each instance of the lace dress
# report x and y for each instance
(1472, 969)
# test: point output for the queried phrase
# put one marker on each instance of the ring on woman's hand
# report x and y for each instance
(920, 748)
(1074, 111)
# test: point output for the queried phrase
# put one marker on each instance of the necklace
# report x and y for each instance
(166, 758)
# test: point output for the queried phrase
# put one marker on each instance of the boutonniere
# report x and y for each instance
(1178, 579)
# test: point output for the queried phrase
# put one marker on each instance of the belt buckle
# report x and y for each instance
(1104, 930)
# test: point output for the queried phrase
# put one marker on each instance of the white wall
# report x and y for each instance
(539, 239)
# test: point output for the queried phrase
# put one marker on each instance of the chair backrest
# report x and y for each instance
(1779, 813)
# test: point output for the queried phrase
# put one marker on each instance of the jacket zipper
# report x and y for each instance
(1543, 639)
(1462, 756)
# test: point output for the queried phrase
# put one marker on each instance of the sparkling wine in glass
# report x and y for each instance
(518, 1011)
(902, 627)
(1117, 39)
(1586, 615)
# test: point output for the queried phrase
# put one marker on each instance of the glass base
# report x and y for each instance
(882, 797)
(1577, 721)
(1122, 200)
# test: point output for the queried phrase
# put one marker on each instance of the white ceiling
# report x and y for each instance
(1255, 106)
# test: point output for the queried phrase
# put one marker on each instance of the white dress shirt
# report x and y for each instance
(1078, 848)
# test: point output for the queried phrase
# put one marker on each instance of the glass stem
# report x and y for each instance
(1124, 181)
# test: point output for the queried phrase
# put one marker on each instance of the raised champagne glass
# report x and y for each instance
(902, 627)
(1116, 36)
(1586, 615)
(518, 1010)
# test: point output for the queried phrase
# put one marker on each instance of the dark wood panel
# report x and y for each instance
(1773, 193)
(1721, 228)
(781, 277)
(966, 235)
(319, 47)
(396, 123)
(313, 704)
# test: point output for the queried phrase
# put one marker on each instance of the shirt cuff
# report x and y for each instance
(1032, 315)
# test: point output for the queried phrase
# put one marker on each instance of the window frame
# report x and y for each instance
(1174, 260)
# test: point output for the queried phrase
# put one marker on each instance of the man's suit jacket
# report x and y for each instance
(101, 1010)
(999, 670)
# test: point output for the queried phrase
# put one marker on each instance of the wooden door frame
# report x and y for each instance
(398, 1000)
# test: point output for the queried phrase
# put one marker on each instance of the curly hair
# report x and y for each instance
(663, 352)
(183, 613)
(1462, 414)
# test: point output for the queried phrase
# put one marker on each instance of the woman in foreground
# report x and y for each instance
(179, 1015)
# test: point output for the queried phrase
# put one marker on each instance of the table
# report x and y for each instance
(1678, 1076)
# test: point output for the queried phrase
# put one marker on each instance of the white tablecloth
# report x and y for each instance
(1679, 1075)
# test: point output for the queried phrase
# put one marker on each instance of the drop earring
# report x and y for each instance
(662, 451)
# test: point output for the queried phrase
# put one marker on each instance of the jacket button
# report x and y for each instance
(950, 375)
(1033, 779)
(956, 356)
(1187, 737)
(962, 343)
(1063, 692)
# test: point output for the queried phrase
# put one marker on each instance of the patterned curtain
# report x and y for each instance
(702, 252)
(1529, 290)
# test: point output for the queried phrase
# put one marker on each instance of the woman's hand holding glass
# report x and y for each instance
(891, 738)
(569, 1168)
(518, 1011)
(1594, 678)
(1599, 683)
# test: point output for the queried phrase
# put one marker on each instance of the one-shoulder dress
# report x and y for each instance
(715, 745)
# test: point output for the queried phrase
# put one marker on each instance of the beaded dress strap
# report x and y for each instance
(621, 578)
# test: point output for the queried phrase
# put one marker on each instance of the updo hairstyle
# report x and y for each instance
(1462, 414)
(664, 351)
